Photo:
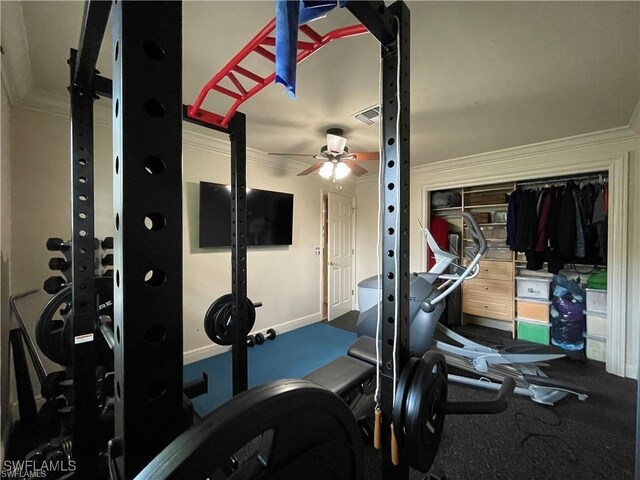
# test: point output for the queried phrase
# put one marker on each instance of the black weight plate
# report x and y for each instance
(423, 426)
(56, 342)
(47, 333)
(216, 318)
(306, 432)
(402, 391)
(50, 388)
(219, 317)
(104, 304)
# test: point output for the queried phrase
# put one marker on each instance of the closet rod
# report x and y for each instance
(599, 177)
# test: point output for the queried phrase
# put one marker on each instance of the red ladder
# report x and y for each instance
(257, 45)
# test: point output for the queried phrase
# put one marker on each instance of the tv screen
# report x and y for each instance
(269, 216)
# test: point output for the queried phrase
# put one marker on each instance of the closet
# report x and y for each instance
(559, 222)
(532, 227)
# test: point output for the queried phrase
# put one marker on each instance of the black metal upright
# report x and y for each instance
(147, 162)
(85, 421)
(237, 128)
(391, 27)
(82, 89)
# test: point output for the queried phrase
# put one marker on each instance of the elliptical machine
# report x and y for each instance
(488, 366)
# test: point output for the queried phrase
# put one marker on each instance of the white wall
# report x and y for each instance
(5, 250)
(366, 229)
(572, 155)
(285, 279)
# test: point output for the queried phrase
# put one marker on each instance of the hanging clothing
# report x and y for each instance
(439, 229)
(599, 220)
(586, 199)
(553, 223)
(514, 200)
(526, 222)
(567, 224)
(579, 249)
(543, 220)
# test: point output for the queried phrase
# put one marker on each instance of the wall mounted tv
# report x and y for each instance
(269, 216)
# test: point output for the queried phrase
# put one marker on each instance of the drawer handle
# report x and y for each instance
(486, 306)
(486, 288)
(486, 269)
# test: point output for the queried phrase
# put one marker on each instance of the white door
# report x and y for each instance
(340, 256)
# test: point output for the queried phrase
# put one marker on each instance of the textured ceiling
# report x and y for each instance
(484, 75)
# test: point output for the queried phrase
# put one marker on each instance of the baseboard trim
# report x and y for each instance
(211, 350)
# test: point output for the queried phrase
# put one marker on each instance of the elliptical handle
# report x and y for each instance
(475, 232)
(498, 405)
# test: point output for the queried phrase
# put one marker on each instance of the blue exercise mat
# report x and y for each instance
(291, 355)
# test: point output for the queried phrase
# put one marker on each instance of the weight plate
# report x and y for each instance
(423, 426)
(305, 432)
(54, 336)
(218, 321)
(48, 331)
(401, 397)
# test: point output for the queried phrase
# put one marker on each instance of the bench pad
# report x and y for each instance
(342, 375)
(364, 349)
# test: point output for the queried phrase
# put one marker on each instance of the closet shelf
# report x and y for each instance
(446, 209)
(506, 188)
(469, 207)
(500, 224)
(502, 240)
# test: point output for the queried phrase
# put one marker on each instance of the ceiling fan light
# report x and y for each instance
(326, 170)
(336, 143)
(342, 170)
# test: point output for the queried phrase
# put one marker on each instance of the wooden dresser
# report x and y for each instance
(490, 294)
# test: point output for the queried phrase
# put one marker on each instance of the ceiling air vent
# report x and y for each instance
(369, 115)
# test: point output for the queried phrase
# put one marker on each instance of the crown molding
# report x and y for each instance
(634, 122)
(17, 75)
(522, 152)
(193, 136)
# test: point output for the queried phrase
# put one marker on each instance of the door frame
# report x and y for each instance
(324, 242)
(543, 165)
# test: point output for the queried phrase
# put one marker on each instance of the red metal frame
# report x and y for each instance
(256, 45)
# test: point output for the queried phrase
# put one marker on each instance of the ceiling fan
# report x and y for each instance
(335, 161)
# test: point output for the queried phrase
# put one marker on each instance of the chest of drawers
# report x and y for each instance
(490, 294)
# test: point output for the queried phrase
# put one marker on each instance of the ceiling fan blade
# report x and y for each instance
(336, 143)
(293, 154)
(356, 169)
(365, 156)
(312, 168)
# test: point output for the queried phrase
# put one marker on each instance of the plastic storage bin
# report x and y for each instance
(500, 232)
(536, 332)
(596, 323)
(533, 287)
(596, 300)
(596, 348)
(487, 231)
(499, 216)
(532, 309)
(498, 253)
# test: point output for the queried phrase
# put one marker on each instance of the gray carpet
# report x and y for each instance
(572, 440)
(346, 322)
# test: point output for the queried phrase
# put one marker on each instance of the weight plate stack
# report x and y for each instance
(423, 424)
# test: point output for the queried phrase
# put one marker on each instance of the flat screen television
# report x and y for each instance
(269, 216)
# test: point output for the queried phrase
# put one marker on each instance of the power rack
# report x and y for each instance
(146, 93)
